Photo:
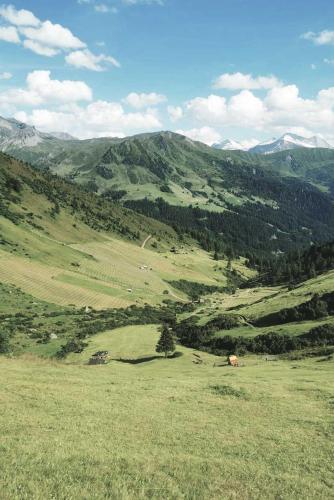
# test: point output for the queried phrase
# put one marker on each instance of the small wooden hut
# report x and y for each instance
(233, 360)
(99, 358)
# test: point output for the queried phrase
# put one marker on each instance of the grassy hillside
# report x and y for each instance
(165, 428)
(274, 210)
(66, 246)
(313, 165)
(80, 274)
(141, 162)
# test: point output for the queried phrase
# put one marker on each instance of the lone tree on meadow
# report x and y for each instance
(166, 342)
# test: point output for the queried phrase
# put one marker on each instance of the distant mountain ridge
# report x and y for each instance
(243, 201)
(14, 133)
(290, 141)
(284, 143)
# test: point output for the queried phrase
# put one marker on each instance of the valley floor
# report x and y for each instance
(145, 427)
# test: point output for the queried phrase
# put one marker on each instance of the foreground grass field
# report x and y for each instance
(165, 429)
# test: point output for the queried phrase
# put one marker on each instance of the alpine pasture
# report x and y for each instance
(159, 428)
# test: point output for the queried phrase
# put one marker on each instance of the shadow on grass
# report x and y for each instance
(147, 359)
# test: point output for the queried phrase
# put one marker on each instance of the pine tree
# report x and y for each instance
(166, 342)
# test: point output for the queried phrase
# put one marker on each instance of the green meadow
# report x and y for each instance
(145, 427)
(73, 269)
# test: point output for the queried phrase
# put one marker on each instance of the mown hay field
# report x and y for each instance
(137, 428)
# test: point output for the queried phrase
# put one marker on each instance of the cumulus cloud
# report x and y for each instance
(238, 81)
(139, 101)
(42, 89)
(5, 75)
(207, 135)
(143, 2)
(325, 37)
(249, 143)
(211, 109)
(102, 8)
(282, 108)
(18, 17)
(9, 34)
(247, 109)
(98, 119)
(49, 39)
(53, 35)
(38, 48)
(86, 59)
(175, 113)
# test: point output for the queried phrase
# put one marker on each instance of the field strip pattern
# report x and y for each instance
(41, 282)
(122, 262)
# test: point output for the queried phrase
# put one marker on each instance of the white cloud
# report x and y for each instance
(175, 113)
(86, 59)
(207, 135)
(18, 17)
(325, 37)
(64, 91)
(139, 101)
(19, 97)
(211, 109)
(98, 119)
(49, 39)
(329, 61)
(238, 81)
(284, 98)
(247, 109)
(248, 143)
(40, 49)
(53, 35)
(104, 9)
(143, 2)
(42, 89)
(5, 75)
(281, 109)
(9, 34)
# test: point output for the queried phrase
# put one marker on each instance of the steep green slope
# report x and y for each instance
(295, 267)
(66, 246)
(260, 210)
(312, 165)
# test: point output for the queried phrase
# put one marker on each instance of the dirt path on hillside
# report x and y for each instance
(146, 241)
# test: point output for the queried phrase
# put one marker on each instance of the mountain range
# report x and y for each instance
(16, 134)
(249, 202)
(285, 142)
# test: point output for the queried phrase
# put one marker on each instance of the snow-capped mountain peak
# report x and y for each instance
(285, 142)
(290, 141)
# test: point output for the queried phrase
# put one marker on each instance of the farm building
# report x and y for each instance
(99, 358)
(233, 360)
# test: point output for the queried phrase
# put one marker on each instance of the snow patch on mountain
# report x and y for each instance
(290, 141)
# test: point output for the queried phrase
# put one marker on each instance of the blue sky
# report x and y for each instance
(210, 69)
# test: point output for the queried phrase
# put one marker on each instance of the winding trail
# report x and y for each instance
(146, 241)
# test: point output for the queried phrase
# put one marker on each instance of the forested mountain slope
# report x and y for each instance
(231, 202)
